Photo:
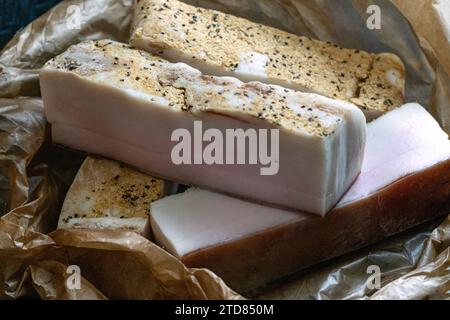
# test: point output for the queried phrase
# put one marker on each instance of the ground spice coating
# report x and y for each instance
(184, 89)
(371, 81)
(105, 188)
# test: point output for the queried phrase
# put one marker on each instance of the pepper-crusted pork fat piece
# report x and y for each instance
(405, 180)
(220, 44)
(109, 195)
(125, 104)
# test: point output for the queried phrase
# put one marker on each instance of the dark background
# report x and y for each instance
(15, 14)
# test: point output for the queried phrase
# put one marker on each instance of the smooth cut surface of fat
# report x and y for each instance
(401, 142)
(195, 219)
(198, 219)
(125, 104)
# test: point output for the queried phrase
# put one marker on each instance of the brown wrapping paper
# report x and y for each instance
(35, 175)
(50, 277)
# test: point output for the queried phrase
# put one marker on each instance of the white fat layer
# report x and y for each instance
(285, 187)
(313, 189)
(108, 109)
(403, 142)
(253, 63)
(198, 218)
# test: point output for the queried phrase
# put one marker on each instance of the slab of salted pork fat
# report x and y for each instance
(405, 180)
(109, 195)
(221, 44)
(105, 98)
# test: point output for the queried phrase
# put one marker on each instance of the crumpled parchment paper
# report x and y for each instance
(35, 175)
